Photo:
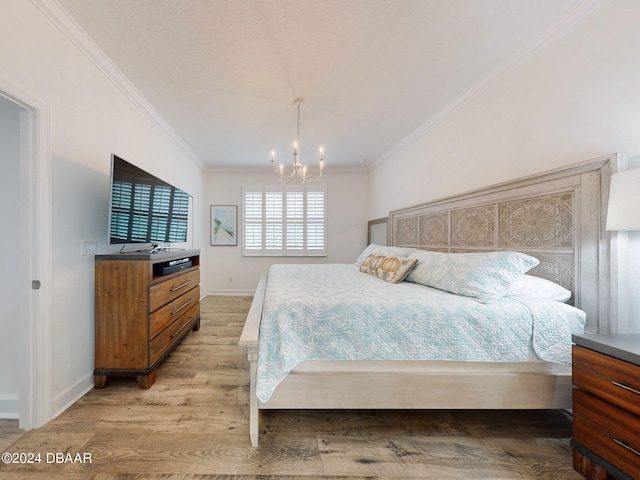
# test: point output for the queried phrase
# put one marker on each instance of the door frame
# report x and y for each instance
(35, 362)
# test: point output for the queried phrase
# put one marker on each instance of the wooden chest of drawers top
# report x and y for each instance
(623, 347)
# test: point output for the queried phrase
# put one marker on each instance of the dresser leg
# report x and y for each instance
(99, 381)
(146, 381)
(589, 469)
(196, 326)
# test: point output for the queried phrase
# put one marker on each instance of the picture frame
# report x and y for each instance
(224, 225)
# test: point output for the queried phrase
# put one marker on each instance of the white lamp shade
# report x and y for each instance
(623, 212)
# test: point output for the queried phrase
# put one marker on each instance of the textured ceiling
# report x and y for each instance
(224, 73)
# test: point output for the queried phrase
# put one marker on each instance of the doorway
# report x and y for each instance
(13, 315)
(26, 391)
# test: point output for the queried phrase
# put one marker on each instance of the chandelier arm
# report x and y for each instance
(287, 181)
(282, 169)
(318, 171)
(286, 175)
(313, 178)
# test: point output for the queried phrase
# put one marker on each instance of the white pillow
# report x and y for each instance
(531, 286)
(576, 318)
(484, 276)
(383, 250)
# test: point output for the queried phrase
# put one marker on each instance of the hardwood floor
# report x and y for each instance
(192, 424)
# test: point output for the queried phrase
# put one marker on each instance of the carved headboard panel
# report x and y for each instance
(556, 216)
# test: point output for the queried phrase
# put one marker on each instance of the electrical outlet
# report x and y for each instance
(88, 247)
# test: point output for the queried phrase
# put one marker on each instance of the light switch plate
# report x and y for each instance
(89, 247)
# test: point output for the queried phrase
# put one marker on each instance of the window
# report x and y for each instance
(284, 221)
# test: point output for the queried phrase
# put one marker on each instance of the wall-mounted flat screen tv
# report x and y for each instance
(143, 208)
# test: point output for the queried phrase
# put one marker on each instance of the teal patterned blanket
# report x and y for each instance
(336, 312)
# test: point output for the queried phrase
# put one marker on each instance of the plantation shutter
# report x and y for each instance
(273, 221)
(295, 220)
(252, 221)
(284, 221)
(316, 207)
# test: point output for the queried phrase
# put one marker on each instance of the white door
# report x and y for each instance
(13, 315)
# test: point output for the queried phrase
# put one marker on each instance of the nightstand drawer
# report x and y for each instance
(607, 431)
(611, 379)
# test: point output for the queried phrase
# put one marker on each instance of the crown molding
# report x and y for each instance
(561, 26)
(263, 170)
(74, 32)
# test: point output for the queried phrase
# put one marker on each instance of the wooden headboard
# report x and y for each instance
(556, 216)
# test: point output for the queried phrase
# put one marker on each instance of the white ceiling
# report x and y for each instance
(224, 73)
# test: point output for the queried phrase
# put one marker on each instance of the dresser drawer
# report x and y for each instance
(609, 432)
(162, 293)
(166, 315)
(170, 335)
(611, 379)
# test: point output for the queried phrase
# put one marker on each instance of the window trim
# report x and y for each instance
(282, 220)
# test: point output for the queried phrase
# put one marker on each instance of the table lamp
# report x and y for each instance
(623, 212)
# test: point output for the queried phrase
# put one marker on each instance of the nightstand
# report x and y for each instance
(606, 406)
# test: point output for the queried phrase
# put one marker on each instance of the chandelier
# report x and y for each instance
(297, 169)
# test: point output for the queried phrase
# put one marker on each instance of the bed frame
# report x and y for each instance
(556, 216)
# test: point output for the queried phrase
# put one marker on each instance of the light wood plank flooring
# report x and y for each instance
(192, 424)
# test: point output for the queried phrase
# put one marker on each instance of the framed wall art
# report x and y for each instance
(224, 224)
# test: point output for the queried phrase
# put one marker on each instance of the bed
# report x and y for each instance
(556, 218)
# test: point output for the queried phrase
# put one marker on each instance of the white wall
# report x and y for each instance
(12, 313)
(574, 100)
(347, 211)
(89, 117)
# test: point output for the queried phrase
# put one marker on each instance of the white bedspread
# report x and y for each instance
(335, 312)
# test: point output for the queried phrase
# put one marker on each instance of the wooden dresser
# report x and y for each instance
(144, 305)
(606, 406)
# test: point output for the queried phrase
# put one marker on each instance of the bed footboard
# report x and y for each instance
(249, 340)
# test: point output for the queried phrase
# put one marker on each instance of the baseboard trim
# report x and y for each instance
(10, 406)
(229, 292)
(72, 394)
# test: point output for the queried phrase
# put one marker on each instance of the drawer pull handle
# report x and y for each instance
(181, 328)
(180, 308)
(624, 445)
(629, 389)
(181, 286)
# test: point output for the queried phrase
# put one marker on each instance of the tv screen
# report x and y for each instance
(143, 208)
